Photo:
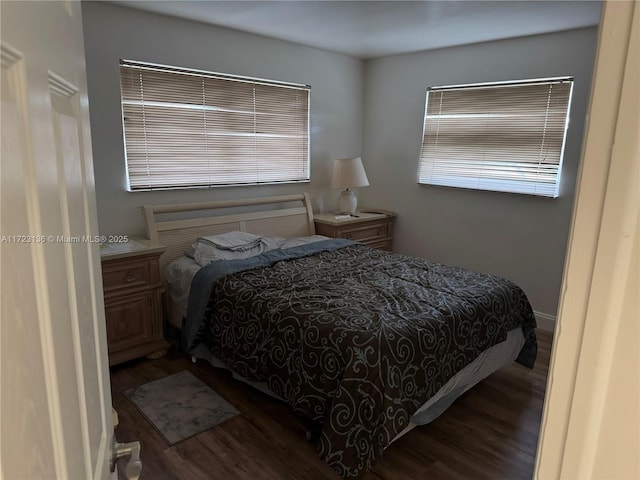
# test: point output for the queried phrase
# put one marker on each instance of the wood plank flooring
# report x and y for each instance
(491, 432)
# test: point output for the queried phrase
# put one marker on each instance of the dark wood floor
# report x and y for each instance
(490, 432)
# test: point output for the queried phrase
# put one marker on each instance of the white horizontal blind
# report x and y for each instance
(505, 137)
(185, 128)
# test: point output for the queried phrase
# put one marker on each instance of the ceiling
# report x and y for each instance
(369, 29)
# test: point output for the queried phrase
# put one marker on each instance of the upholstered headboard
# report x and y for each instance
(176, 227)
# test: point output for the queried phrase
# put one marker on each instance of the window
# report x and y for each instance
(187, 128)
(506, 137)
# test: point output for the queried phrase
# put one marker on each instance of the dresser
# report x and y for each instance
(368, 226)
(133, 291)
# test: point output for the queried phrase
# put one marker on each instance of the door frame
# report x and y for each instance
(588, 381)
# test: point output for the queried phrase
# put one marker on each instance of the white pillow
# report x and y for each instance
(179, 275)
(206, 252)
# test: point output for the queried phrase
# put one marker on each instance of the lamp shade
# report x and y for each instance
(349, 172)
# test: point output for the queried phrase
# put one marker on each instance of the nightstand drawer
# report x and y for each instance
(381, 244)
(126, 275)
(127, 316)
(373, 228)
(365, 232)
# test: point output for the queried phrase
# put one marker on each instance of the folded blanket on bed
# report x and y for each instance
(206, 249)
(353, 338)
(235, 241)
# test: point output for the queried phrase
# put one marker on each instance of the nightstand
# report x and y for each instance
(133, 291)
(368, 226)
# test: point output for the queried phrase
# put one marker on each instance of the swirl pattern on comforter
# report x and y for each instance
(357, 339)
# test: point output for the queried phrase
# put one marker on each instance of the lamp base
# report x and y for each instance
(347, 202)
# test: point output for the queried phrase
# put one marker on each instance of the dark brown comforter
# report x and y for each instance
(354, 338)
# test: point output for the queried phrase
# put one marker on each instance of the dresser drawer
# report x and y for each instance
(126, 274)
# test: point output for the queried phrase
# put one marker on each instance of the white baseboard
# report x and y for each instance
(545, 321)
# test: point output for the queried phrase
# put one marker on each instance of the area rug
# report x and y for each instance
(180, 406)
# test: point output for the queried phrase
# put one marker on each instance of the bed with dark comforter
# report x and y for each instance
(351, 337)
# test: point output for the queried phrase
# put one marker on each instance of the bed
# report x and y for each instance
(363, 342)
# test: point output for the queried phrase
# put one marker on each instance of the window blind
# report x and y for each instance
(503, 136)
(187, 128)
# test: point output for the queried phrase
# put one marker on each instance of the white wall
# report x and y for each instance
(113, 32)
(519, 237)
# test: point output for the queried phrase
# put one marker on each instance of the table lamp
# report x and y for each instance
(348, 173)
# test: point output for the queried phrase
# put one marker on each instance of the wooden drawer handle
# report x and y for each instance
(129, 277)
(348, 236)
(381, 231)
